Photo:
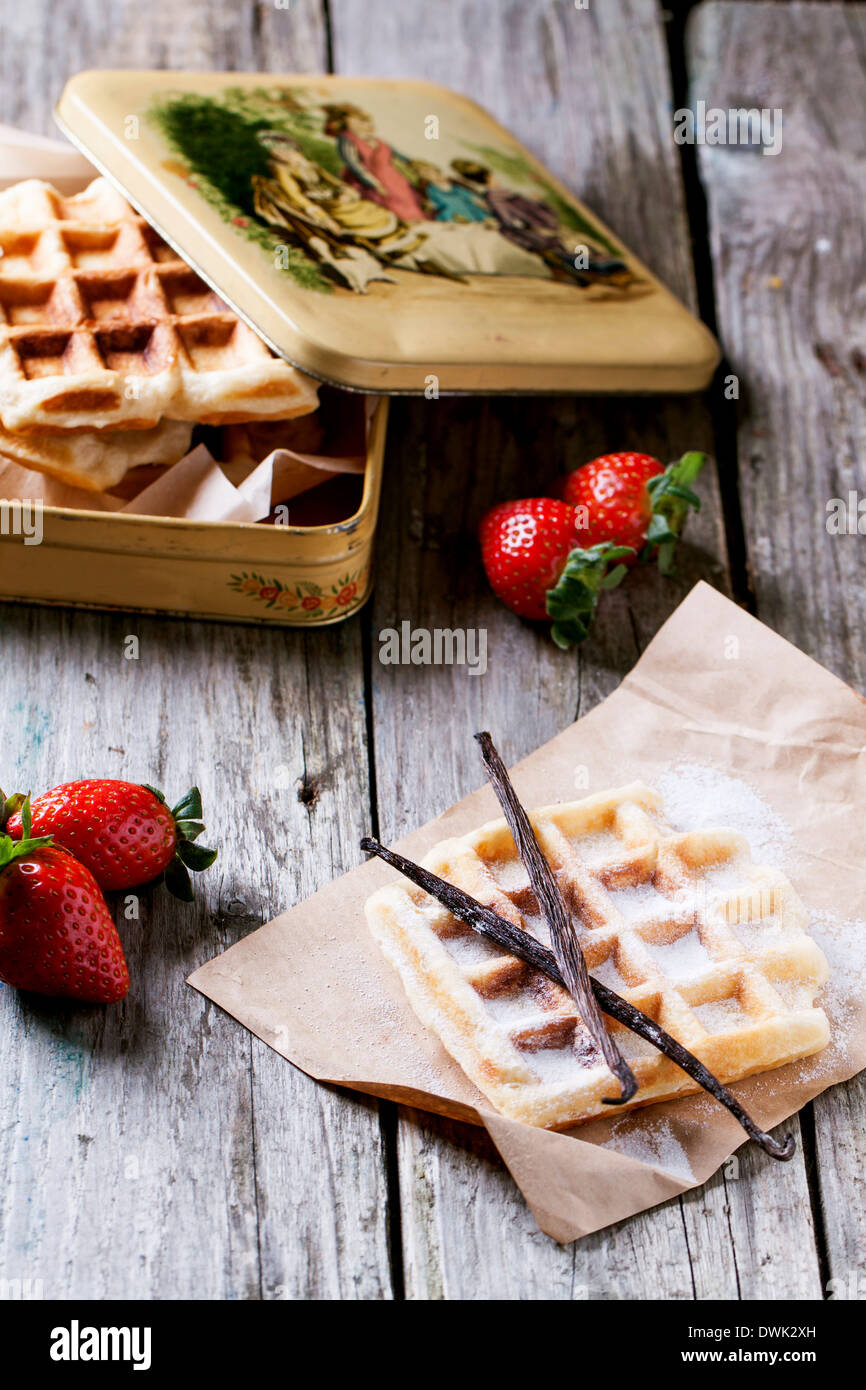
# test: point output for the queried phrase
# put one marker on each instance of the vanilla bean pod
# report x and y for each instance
(563, 936)
(519, 943)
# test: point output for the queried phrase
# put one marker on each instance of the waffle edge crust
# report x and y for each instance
(104, 328)
(683, 925)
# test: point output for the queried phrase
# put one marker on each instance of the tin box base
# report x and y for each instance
(282, 575)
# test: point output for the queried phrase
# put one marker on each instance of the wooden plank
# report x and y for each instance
(44, 44)
(157, 1150)
(321, 1165)
(128, 1138)
(788, 247)
(589, 92)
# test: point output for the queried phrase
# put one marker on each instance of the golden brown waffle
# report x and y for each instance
(103, 326)
(684, 926)
(97, 460)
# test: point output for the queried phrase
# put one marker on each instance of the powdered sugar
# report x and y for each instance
(553, 1065)
(697, 797)
(720, 1016)
(843, 941)
(761, 934)
(633, 1046)
(597, 848)
(469, 949)
(608, 973)
(723, 878)
(510, 874)
(653, 1142)
(682, 958)
(639, 902)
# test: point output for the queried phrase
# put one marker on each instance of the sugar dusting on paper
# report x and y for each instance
(843, 941)
(702, 798)
(650, 1141)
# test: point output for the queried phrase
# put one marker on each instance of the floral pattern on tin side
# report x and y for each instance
(306, 602)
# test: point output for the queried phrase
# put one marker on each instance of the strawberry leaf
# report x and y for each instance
(189, 829)
(573, 600)
(18, 849)
(196, 857)
(189, 807)
(178, 882)
(672, 498)
(614, 577)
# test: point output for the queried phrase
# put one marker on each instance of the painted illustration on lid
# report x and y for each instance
(338, 201)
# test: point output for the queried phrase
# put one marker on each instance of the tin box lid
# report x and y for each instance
(385, 235)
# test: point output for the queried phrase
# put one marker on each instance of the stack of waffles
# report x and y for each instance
(683, 925)
(111, 347)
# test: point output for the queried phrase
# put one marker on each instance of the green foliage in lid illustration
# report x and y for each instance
(217, 141)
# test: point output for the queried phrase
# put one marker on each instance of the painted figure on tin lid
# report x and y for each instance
(339, 204)
(372, 166)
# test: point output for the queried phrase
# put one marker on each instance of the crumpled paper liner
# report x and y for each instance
(715, 687)
(195, 487)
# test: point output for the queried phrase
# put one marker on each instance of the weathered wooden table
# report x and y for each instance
(158, 1150)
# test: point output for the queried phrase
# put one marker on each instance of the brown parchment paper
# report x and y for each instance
(715, 687)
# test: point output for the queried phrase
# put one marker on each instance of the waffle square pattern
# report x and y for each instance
(103, 326)
(683, 925)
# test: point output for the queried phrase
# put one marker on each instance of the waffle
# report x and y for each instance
(684, 926)
(97, 460)
(103, 326)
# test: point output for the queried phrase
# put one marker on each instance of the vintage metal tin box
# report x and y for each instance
(383, 237)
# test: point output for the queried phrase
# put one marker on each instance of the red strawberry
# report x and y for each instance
(56, 933)
(536, 564)
(123, 832)
(632, 499)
